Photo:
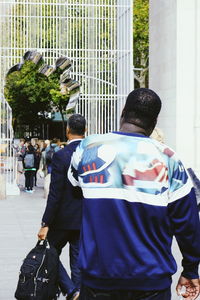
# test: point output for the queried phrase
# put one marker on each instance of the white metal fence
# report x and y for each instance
(95, 34)
(8, 162)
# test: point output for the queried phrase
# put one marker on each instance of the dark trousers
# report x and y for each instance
(35, 177)
(90, 294)
(59, 238)
(29, 179)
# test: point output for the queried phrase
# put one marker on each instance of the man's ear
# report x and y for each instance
(122, 115)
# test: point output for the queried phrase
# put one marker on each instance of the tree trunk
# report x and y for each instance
(14, 125)
(63, 126)
(143, 81)
(141, 77)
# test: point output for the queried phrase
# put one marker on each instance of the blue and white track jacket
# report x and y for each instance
(137, 196)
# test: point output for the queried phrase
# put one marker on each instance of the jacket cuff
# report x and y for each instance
(44, 224)
(191, 274)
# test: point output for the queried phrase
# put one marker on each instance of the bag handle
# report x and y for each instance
(43, 243)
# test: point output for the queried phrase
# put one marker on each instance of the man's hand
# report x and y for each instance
(42, 234)
(192, 288)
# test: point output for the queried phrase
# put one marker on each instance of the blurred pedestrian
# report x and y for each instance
(29, 161)
(37, 161)
(20, 152)
(43, 172)
(50, 150)
(158, 135)
(43, 165)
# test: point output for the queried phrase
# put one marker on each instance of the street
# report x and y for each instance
(20, 218)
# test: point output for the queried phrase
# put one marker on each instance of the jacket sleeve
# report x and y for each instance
(42, 161)
(184, 218)
(196, 183)
(58, 174)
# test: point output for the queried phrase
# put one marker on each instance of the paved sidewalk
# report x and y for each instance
(20, 218)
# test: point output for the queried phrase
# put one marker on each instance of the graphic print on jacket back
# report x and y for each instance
(135, 167)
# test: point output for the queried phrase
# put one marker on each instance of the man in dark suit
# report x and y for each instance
(62, 217)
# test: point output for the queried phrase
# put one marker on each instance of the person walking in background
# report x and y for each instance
(37, 161)
(49, 152)
(62, 217)
(43, 172)
(158, 135)
(43, 165)
(137, 196)
(48, 156)
(29, 161)
(20, 152)
(45, 145)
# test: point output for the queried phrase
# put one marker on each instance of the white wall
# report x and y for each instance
(162, 64)
(174, 73)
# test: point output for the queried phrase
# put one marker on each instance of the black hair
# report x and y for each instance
(76, 123)
(30, 148)
(142, 108)
(54, 141)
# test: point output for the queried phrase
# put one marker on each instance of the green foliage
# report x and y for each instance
(26, 92)
(59, 101)
(20, 27)
(32, 95)
(141, 38)
(141, 30)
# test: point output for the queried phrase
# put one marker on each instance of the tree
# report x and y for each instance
(141, 41)
(33, 90)
(27, 92)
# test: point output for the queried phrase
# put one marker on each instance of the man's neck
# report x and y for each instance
(72, 137)
(131, 128)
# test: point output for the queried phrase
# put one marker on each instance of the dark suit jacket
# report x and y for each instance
(64, 203)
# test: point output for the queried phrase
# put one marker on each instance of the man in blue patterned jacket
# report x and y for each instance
(137, 196)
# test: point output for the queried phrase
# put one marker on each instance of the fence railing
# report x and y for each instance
(8, 160)
(95, 34)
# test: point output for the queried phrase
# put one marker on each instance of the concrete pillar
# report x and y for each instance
(2, 187)
(175, 73)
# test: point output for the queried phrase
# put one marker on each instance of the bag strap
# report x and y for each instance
(43, 243)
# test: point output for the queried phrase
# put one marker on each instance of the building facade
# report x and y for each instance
(95, 34)
(175, 73)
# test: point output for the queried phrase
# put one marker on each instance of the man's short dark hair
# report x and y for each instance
(54, 141)
(142, 108)
(76, 123)
(30, 147)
